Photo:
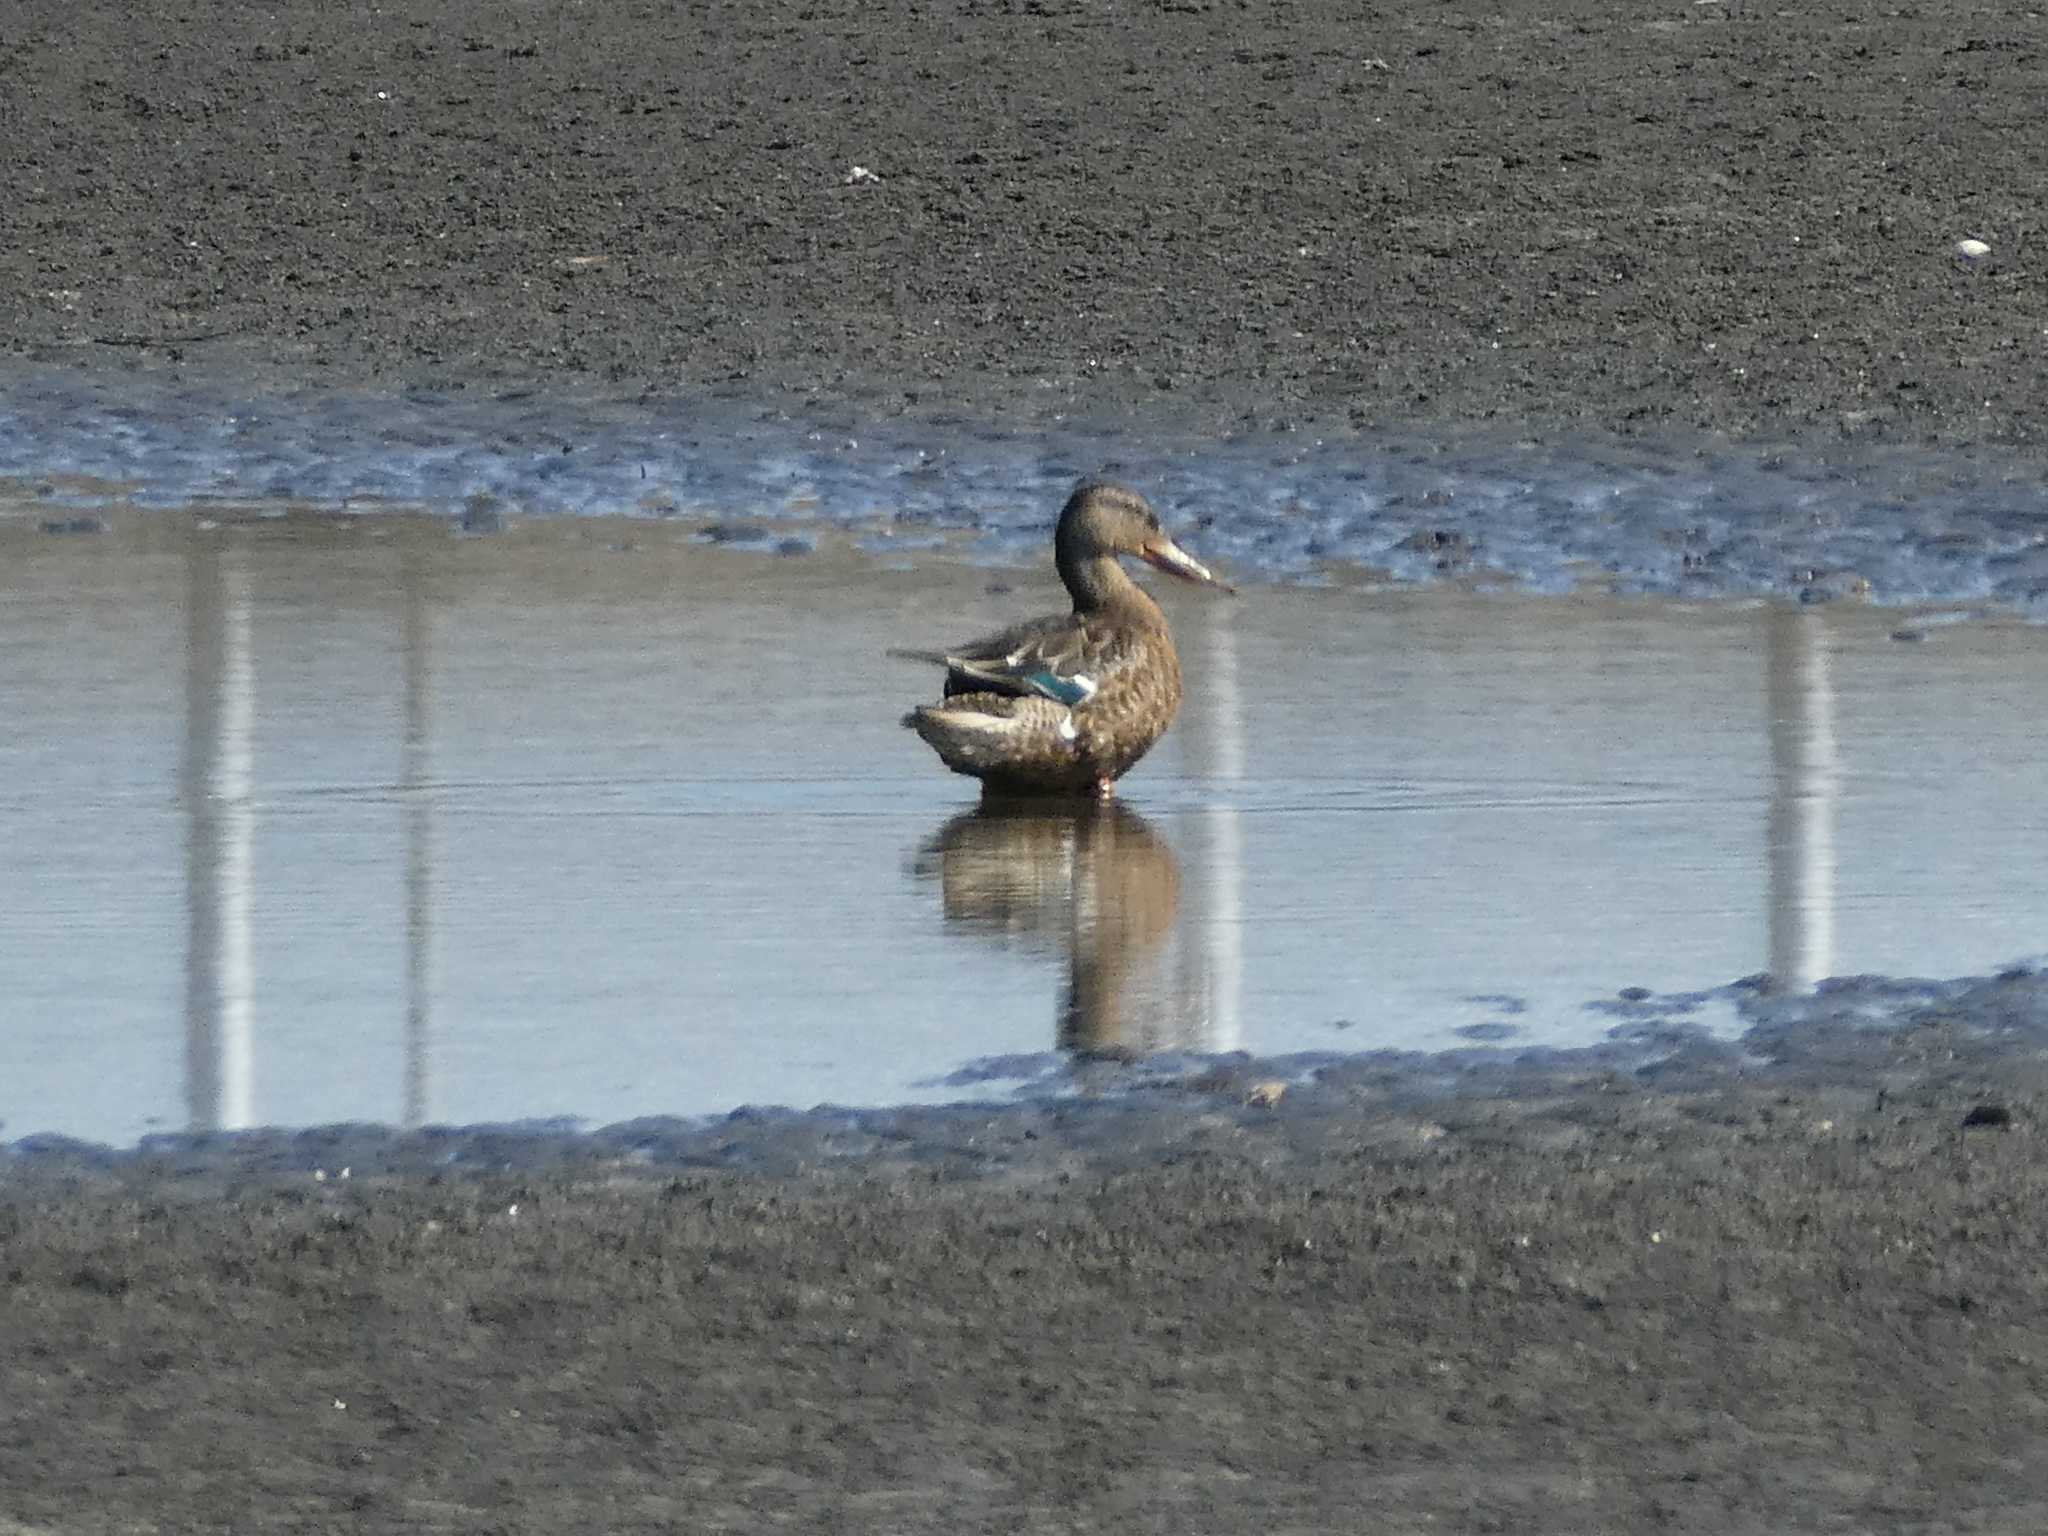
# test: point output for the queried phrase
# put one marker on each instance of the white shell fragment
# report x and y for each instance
(1971, 250)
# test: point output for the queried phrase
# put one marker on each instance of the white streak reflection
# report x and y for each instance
(220, 831)
(417, 799)
(1806, 781)
(1212, 953)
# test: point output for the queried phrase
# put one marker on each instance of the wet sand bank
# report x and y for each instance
(1725, 217)
(1733, 1307)
(1793, 1288)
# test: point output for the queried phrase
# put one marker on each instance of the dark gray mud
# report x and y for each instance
(1735, 218)
(1727, 1303)
(1726, 1310)
(1786, 1286)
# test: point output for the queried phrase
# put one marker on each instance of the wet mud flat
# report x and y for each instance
(1739, 1293)
(1731, 217)
(1700, 1300)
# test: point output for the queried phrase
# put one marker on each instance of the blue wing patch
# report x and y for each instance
(1070, 691)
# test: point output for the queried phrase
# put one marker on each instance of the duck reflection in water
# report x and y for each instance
(1090, 880)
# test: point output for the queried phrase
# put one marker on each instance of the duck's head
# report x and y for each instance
(1102, 521)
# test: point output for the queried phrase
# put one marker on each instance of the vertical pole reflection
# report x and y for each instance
(1212, 957)
(419, 834)
(216, 785)
(1805, 786)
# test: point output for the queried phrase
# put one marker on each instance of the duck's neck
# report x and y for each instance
(1099, 583)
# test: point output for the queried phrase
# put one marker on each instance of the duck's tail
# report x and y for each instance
(986, 733)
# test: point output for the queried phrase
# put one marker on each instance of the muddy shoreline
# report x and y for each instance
(1717, 218)
(1721, 1309)
(1744, 1292)
(1729, 1303)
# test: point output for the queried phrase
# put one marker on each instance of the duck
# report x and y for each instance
(1067, 704)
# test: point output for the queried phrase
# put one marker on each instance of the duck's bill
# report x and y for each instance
(1169, 557)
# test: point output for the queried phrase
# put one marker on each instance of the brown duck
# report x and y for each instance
(1067, 703)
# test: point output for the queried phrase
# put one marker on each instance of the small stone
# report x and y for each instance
(733, 533)
(1447, 547)
(1971, 250)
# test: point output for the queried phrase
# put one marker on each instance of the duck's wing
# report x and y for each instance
(1064, 658)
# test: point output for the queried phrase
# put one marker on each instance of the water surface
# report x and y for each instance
(317, 818)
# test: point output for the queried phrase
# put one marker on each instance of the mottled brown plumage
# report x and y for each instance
(1067, 703)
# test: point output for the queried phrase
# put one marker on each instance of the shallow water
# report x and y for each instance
(312, 819)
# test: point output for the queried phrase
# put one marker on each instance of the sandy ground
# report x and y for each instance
(1731, 1307)
(1729, 215)
(1606, 1306)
